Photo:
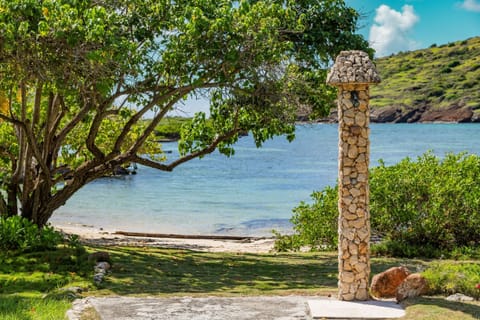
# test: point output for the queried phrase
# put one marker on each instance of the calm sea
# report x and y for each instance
(251, 192)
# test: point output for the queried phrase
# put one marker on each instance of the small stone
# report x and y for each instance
(362, 167)
(103, 265)
(362, 177)
(361, 266)
(355, 130)
(352, 140)
(348, 162)
(352, 152)
(349, 121)
(360, 119)
(363, 284)
(349, 113)
(355, 192)
(459, 297)
(350, 216)
(363, 233)
(363, 95)
(352, 208)
(348, 233)
(357, 224)
(347, 277)
(347, 297)
(347, 200)
(347, 266)
(362, 294)
(352, 248)
(363, 248)
(361, 158)
(361, 142)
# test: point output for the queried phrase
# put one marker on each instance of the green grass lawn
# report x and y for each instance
(31, 284)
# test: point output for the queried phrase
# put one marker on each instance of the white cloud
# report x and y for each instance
(390, 33)
(471, 5)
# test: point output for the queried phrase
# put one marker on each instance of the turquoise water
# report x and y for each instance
(251, 192)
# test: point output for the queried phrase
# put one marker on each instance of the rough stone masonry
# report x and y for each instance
(352, 73)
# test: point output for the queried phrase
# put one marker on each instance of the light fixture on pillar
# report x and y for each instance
(355, 100)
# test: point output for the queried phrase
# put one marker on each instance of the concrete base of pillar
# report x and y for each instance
(335, 309)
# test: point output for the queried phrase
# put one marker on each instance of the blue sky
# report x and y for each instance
(401, 25)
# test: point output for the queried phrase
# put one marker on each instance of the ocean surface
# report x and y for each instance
(252, 192)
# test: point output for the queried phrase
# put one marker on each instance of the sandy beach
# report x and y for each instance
(98, 236)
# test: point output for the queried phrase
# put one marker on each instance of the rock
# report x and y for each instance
(413, 286)
(459, 297)
(98, 278)
(74, 290)
(385, 284)
(104, 265)
(99, 256)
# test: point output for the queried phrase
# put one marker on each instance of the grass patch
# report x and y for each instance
(32, 306)
(437, 308)
(163, 272)
(31, 284)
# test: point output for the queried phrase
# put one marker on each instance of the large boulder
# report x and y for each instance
(385, 284)
(413, 286)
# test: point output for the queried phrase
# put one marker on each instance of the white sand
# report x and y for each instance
(96, 236)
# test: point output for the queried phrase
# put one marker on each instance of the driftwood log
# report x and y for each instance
(183, 236)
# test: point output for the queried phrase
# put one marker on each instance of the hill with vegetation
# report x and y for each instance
(441, 83)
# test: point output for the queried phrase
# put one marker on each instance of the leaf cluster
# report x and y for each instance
(426, 207)
(20, 234)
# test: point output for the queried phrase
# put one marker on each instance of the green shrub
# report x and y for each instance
(315, 224)
(446, 70)
(429, 207)
(454, 277)
(454, 64)
(17, 233)
(430, 202)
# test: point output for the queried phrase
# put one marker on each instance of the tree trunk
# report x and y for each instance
(12, 205)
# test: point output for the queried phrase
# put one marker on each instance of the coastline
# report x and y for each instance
(93, 236)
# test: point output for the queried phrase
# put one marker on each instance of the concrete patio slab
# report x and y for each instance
(335, 309)
(188, 308)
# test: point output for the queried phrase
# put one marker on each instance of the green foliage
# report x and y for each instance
(396, 248)
(17, 233)
(170, 127)
(454, 277)
(315, 224)
(427, 208)
(428, 202)
(79, 78)
(450, 66)
(32, 284)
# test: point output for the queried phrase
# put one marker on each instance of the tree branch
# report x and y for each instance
(179, 161)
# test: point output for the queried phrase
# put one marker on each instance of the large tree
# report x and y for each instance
(79, 77)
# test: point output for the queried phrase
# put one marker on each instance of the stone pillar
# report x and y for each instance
(352, 73)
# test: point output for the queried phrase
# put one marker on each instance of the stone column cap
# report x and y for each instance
(353, 67)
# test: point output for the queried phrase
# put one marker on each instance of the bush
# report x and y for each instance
(428, 202)
(450, 277)
(315, 225)
(17, 233)
(427, 207)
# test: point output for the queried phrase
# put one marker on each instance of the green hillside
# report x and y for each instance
(441, 83)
